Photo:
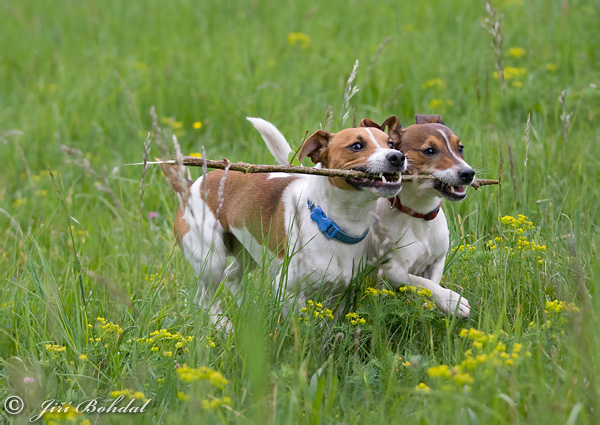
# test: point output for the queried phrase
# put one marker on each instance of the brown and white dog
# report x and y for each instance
(320, 223)
(413, 219)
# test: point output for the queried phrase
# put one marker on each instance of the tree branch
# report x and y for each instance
(244, 167)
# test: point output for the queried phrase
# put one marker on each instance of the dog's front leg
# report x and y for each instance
(445, 299)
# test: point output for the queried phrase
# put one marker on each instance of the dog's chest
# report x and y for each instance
(419, 242)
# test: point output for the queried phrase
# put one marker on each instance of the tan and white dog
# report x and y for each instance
(320, 223)
(415, 223)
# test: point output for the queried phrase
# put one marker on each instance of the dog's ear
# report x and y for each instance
(394, 130)
(429, 119)
(368, 122)
(393, 125)
(314, 146)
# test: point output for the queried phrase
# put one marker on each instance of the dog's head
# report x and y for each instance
(431, 148)
(363, 149)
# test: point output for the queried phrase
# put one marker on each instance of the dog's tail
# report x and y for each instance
(278, 146)
(179, 182)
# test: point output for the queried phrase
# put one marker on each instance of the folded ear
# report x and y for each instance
(368, 122)
(429, 119)
(315, 146)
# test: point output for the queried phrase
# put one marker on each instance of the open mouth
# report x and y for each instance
(383, 180)
(451, 192)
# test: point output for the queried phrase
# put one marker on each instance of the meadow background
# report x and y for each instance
(96, 299)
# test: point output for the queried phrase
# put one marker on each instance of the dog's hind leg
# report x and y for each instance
(204, 247)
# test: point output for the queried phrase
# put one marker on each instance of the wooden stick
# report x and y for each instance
(244, 167)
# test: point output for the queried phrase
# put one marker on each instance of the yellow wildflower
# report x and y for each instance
(423, 387)
(299, 39)
(441, 371)
(435, 82)
(137, 395)
(55, 348)
(517, 52)
(511, 73)
(197, 125)
(440, 103)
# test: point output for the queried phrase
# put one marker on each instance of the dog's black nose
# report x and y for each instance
(395, 158)
(466, 175)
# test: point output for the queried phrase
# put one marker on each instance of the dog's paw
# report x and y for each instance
(451, 303)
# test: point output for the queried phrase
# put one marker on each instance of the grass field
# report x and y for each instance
(96, 299)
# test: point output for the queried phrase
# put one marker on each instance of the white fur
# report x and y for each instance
(272, 137)
(420, 246)
(315, 260)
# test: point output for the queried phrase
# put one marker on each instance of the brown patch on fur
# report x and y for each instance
(334, 150)
(414, 139)
(251, 201)
(180, 227)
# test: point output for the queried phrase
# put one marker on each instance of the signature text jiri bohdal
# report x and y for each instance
(91, 406)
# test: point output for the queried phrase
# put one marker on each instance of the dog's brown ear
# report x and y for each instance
(368, 122)
(392, 123)
(429, 119)
(314, 146)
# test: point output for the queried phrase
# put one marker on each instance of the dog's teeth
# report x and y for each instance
(383, 179)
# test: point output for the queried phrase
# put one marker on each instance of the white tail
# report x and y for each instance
(278, 146)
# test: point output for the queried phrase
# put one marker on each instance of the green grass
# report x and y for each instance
(85, 74)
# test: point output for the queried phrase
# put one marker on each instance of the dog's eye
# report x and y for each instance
(391, 145)
(461, 149)
(357, 147)
(429, 151)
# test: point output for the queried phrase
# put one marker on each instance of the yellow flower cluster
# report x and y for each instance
(491, 244)
(172, 122)
(215, 403)
(419, 290)
(375, 291)
(524, 244)
(355, 319)
(55, 348)
(464, 248)
(440, 104)
(423, 387)
(315, 310)
(517, 52)
(515, 239)
(166, 338)
(517, 223)
(511, 73)
(188, 374)
(482, 344)
(435, 82)
(137, 395)
(299, 39)
(557, 306)
(109, 327)
(67, 412)
(486, 355)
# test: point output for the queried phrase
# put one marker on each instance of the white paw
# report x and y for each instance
(451, 303)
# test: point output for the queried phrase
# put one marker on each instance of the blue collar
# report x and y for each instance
(329, 228)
